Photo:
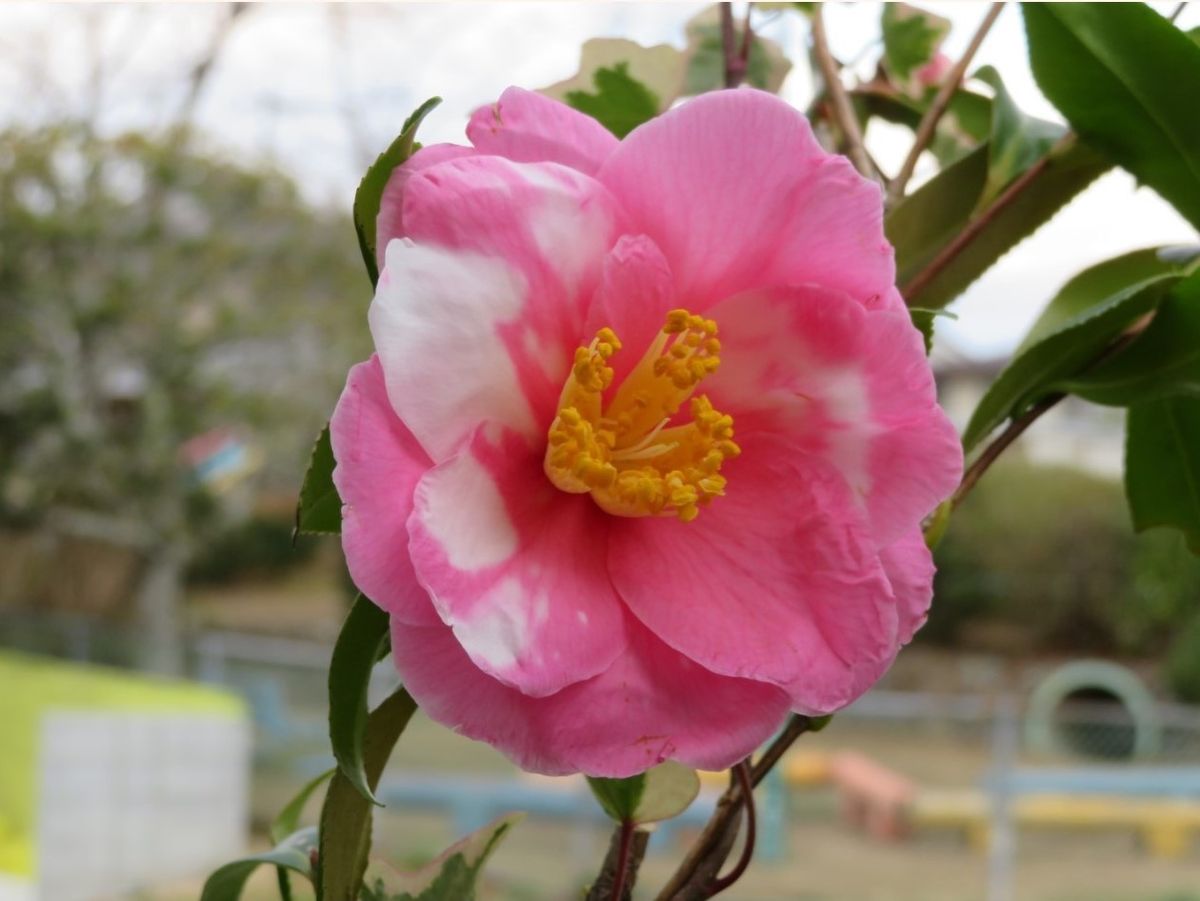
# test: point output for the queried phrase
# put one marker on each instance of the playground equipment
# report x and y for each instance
(1129, 726)
(110, 782)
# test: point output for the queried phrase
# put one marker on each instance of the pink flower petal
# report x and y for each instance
(777, 581)
(635, 294)
(909, 566)
(738, 194)
(516, 567)
(652, 704)
(378, 465)
(850, 385)
(530, 128)
(389, 224)
(477, 312)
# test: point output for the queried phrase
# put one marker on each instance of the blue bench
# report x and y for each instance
(1140, 782)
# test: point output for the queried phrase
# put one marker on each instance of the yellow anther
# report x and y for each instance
(622, 447)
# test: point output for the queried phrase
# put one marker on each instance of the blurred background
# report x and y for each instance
(181, 295)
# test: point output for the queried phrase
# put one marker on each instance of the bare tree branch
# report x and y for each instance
(941, 102)
(843, 112)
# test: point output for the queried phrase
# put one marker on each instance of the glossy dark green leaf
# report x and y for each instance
(662, 792)
(1162, 466)
(370, 190)
(1062, 354)
(452, 876)
(1164, 361)
(1018, 141)
(1091, 287)
(358, 646)
(1128, 81)
(911, 37)
(926, 221)
(288, 819)
(319, 509)
(619, 102)
(347, 812)
(618, 797)
(294, 854)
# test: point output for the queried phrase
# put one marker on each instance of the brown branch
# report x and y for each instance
(1017, 426)
(992, 452)
(619, 871)
(843, 112)
(735, 71)
(704, 860)
(742, 771)
(941, 102)
(919, 282)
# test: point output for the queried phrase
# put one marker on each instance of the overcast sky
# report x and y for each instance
(287, 75)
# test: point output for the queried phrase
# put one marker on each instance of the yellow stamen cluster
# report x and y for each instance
(626, 454)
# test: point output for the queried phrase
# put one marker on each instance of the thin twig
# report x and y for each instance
(843, 112)
(710, 851)
(1017, 426)
(619, 870)
(625, 840)
(734, 71)
(992, 452)
(742, 771)
(941, 102)
(1178, 10)
(796, 726)
(911, 289)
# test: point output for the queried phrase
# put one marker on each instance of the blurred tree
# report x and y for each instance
(150, 292)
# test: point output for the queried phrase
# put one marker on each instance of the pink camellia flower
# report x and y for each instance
(931, 74)
(641, 460)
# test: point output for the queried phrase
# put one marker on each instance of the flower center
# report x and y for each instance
(626, 454)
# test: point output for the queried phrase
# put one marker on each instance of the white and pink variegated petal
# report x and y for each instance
(735, 189)
(389, 224)
(848, 384)
(776, 581)
(530, 128)
(516, 567)
(635, 294)
(479, 309)
(378, 465)
(651, 705)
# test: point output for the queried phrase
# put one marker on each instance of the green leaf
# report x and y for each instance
(660, 68)
(364, 634)
(370, 190)
(911, 38)
(293, 853)
(620, 103)
(1128, 81)
(1162, 466)
(1164, 361)
(452, 876)
(1090, 287)
(618, 797)
(659, 793)
(966, 123)
(922, 224)
(923, 320)
(766, 67)
(1061, 354)
(319, 509)
(288, 820)
(1018, 141)
(346, 814)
